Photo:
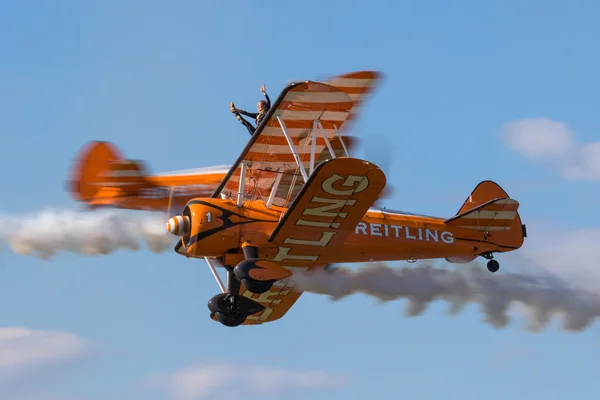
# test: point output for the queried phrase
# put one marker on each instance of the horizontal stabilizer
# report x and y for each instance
(494, 215)
(128, 173)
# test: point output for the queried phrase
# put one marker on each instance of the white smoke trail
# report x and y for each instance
(87, 233)
(540, 297)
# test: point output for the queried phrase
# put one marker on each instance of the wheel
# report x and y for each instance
(257, 286)
(493, 266)
(230, 320)
(232, 310)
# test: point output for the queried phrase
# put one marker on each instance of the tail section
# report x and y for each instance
(494, 215)
(490, 211)
(129, 175)
(92, 162)
(100, 172)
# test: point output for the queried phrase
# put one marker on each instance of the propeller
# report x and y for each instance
(178, 225)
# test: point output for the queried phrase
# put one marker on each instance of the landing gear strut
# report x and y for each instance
(492, 265)
(228, 307)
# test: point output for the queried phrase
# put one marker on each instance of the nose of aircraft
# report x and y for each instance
(179, 225)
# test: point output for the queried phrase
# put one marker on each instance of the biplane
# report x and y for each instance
(296, 200)
(290, 203)
(102, 177)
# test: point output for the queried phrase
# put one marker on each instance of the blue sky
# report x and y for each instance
(156, 79)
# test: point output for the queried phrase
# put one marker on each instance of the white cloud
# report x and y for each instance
(209, 381)
(23, 350)
(554, 144)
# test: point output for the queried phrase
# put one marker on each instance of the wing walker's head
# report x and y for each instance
(262, 106)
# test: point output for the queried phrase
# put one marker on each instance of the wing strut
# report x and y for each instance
(274, 188)
(217, 277)
(326, 139)
(242, 188)
(341, 140)
(313, 146)
(293, 148)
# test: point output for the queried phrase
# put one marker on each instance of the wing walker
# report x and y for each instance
(296, 200)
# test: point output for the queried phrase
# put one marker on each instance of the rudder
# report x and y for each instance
(483, 192)
(93, 160)
(490, 210)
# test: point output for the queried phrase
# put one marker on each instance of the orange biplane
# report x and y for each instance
(283, 208)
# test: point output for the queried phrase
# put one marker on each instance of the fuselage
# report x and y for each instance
(219, 227)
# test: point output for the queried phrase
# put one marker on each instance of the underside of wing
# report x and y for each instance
(277, 301)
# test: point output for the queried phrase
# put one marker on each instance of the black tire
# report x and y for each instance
(493, 266)
(257, 286)
(230, 320)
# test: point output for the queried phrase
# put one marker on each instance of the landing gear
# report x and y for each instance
(492, 265)
(258, 276)
(232, 310)
(227, 307)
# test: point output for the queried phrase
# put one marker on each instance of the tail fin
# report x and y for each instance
(101, 169)
(93, 160)
(490, 210)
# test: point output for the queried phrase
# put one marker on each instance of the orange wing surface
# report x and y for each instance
(359, 86)
(336, 197)
(277, 301)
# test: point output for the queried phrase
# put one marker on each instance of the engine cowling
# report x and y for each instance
(207, 228)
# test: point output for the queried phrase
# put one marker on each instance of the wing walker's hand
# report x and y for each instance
(262, 88)
(232, 107)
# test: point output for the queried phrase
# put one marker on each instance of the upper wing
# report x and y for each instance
(299, 109)
(358, 86)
